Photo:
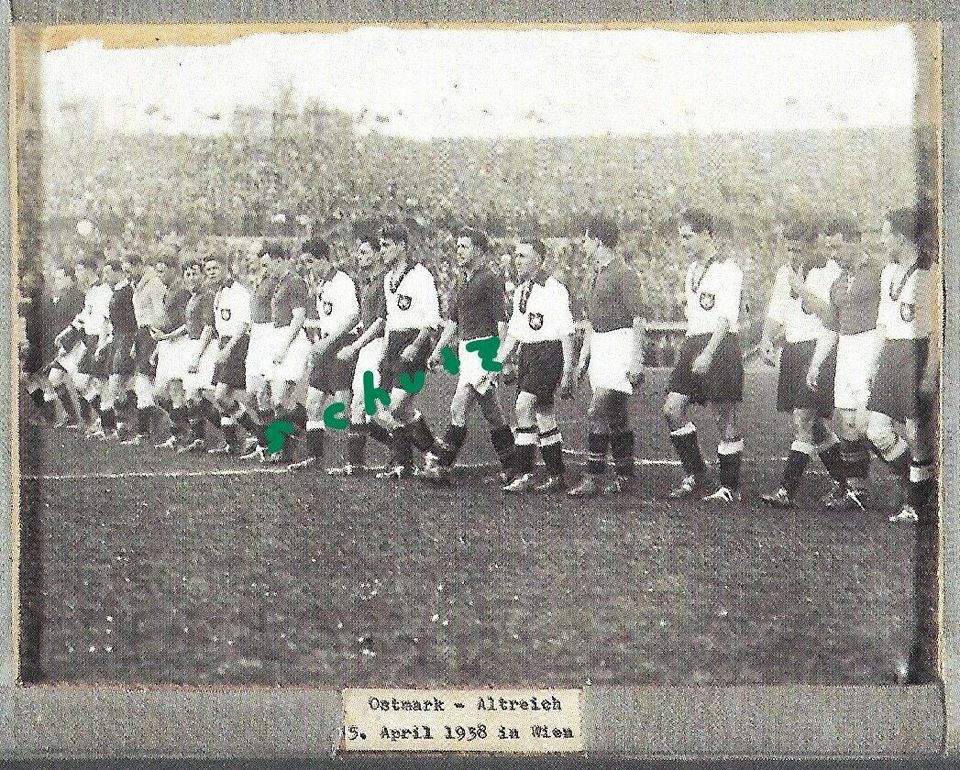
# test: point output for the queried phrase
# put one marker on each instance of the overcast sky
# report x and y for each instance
(508, 83)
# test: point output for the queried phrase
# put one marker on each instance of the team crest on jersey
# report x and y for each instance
(404, 301)
(225, 313)
(327, 308)
(908, 311)
(535, 320)
(707, 301)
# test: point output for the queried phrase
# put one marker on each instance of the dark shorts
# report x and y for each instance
(393, 365)
(328, 373)
(144, 345)
(723, 381)
(123, 356)
(89, 364)
(540, 369)
(233, 371)
(792, 390)
(34, 359)
(895, 390)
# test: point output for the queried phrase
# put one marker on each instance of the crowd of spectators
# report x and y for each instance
(295, 171)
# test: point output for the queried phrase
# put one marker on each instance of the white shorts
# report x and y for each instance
(855, 354)
(368, 360)
(172, 361)
(203, 377)
(610, 354)
(259, 354)
(293, 367)
(70, 360)
(471, 368)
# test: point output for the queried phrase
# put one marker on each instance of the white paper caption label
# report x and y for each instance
(512, 721)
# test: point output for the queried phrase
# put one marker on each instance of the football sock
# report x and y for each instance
(685, 443)
(448, 447)
(68, 406)
(502, 439)
(622, 449)
(402, 447)
(379, 433)
(246, 421)
(525, 447)
(797, 461)
(832, 458)
(143, 421)
(730, 454)
(551, 449)
(420, 434)
(86, 411)
(108, 420)
(856, 462)
(230, 431)
(298, 416)
(597, 452)
(921, 483)
(357, 444)
(315, 438)
(37, 397)
(179, 420)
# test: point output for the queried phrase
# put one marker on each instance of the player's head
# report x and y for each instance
(214, 270)
(904, 232)
(797, 242)
(696, 231)
(393, 242)
(113, 271)
(134, 266)
(529, 256)
(191, 269)
(842, 240)
(86, 271)
(365, 245)
(167, 268)
(472, 246)
(315, 257)
(273, 258)
(601, 234)
(62, 278)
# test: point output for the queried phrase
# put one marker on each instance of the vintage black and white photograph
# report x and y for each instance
(410, 357)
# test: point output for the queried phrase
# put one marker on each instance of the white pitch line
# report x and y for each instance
(254, 470)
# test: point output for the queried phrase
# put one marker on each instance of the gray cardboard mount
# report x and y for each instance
(780, 721)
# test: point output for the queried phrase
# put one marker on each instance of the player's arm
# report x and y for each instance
(583, 360)
(811, 302)
(370, 333)
(565, 328)
(630, 293)
(205, 336)
(826, 342)
(929, 380)
(298, 316)
(773, 327)
(450, 328)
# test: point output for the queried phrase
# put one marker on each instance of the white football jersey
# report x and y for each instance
(337, 304)
(906, 302)
(788, 310)
(712, 295)
(231, 309)
(541, 311)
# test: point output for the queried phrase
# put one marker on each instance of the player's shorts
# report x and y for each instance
(202, 379)
(393, 365)
(896, 386)
(32, 361)
(369, 358)
(472, 372)
(233, 371)
(723, 381)
(540, 369)
(329, 374)
(855, 352)
(123, 358)
(90, 364)
(610, 357)
(144, 345)
(294, 364)
(259, 354)
(69, 360)
(792, 390)
(172, 361)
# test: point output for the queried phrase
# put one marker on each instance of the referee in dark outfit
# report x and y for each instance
(613, 349)
(475, 312)
(122, 351)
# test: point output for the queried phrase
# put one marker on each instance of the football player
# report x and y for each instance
(121, 331)
(904, 387)
(542, 325)
(337, 314)
(613, 350)
(850, 324)
(475, 313)
(413, 312)
(66, 305)
(793, 322)
(709, 366)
